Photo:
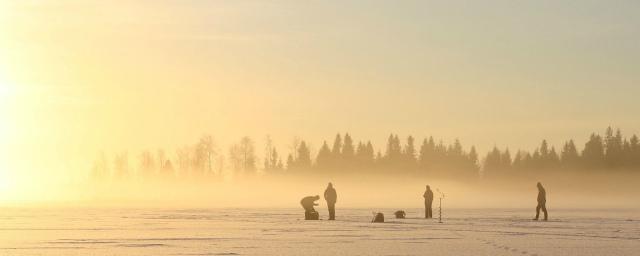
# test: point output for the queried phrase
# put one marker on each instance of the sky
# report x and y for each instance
(80, 77)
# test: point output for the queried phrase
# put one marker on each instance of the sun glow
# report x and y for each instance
(6, 181)
(4, 89)
(6, 186)
(4, 85)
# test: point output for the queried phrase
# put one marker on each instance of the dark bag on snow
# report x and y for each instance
(379, 217)
(311, 215)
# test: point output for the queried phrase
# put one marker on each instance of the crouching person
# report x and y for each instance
(308, 203)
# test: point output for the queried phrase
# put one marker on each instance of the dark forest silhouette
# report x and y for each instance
(401, 157)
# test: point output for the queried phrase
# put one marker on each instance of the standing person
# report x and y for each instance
(542, 202)
(331, 197)
(308, 203)
(428, 201)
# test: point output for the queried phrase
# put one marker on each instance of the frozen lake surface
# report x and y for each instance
(283, 232)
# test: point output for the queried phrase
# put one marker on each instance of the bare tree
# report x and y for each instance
(205, 154)
(161, 157)
(295, 144)
(121, 165)
(268, 150)
(100, 170)
(147, 164)
(184, 160)
(242, 156)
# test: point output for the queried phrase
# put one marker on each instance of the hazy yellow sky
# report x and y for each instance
(77, 77)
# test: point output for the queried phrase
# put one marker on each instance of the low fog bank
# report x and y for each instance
(375, 191)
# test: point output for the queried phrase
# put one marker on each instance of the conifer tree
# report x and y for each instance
(367, 157)
(593, 152)
(336, 153)
(634, 152)
(569, 155)
(472, 160)
(410, 151)
(427, 154)
(473, 156)
(613, 154)
(493, 164)
(394, 152)
(505, 160)
(303, 161)
(323, 160)
(337, 146)
(290, 163)
(360, 155)
(348, 151)
(518, 160)
(553, 158)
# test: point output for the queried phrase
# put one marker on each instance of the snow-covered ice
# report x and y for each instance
(284, 232)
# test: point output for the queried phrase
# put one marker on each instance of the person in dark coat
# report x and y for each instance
(331, 196)
(309, 202)
(428, 201)
(542, 202)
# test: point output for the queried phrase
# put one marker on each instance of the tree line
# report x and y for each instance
(344, 156)
(611, 152)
